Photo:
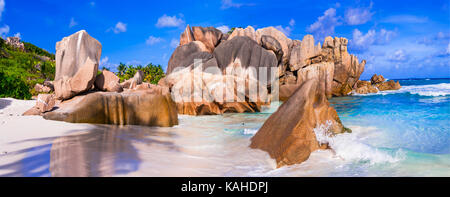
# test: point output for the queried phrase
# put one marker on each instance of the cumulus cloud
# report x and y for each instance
(174, 43)
(361, 41)
(288, 29)
(153, 40)
(399, 56)
(4, 31)
(2, 8)
(169, 21)
(325, 25)
(120, 27)
(224, 29)
(402, 19)
(230, 4)
(358, 16)
(72, 23)
(18, 35)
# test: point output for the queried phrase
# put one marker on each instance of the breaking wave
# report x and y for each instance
(442, 89)
(350, 147)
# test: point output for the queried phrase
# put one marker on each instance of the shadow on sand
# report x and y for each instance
(103, 151)
(4, 103)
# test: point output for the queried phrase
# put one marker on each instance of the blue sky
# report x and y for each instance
(399, 39)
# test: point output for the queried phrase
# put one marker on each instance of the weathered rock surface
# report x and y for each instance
(108, 81)
(347, 70)
(302, 54)
(248, 32)
(45, 102)
(241, 54)
(270, 43)
(288, 135)
(284, 41)
(199, 92)
(77, 59)
(131, 108)
(132, 83)
(39, 88)
(375, 85)
(82, 81)
(323, 71)
(184, 55)
(376, 79)
(389, 85)
(209, 36)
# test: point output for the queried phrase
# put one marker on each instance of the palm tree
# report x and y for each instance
(121, 69)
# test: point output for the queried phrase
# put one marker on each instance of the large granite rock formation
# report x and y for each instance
(347, 70)
(241, 55)
(303, 53)
(288, 135)
(130, 108)
(199, 91)
(209, 36)
(77, 59)
(184, 55)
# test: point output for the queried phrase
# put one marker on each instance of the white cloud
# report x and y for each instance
(104, 61)
(18, 35)
(2, 8)
(153, 40)
(358, 16)
(174, 43)
(325, 25)
(362, 41)
(448, 48)
(73, 23)
(285, 30)
(4, 31)
(401, 19)
(292, 22)
(120, 27)
(224, 29)
(398, 56)
(229, 4)
(169, 21)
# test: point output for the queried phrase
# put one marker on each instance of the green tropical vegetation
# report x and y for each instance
(20, 70)
(152, 73)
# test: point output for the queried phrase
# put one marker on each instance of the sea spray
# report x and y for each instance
(349, 147)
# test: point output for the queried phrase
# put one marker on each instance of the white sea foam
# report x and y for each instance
(350, 147)
(442, 89)
(250, 131)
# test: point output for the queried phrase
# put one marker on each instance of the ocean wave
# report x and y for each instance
(434, 90)
(350, 147)
(442, 89)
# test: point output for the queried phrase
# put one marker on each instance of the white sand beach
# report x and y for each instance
(23, 136)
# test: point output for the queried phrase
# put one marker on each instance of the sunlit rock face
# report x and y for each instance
(288, 135)
(128, 108)
(77, 59)
(206, 91)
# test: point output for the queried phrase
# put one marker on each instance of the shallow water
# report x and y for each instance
(396, 133)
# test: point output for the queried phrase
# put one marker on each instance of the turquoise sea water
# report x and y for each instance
(395, 133)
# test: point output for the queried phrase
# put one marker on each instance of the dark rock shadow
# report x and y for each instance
(102, 151)
(4, 103)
